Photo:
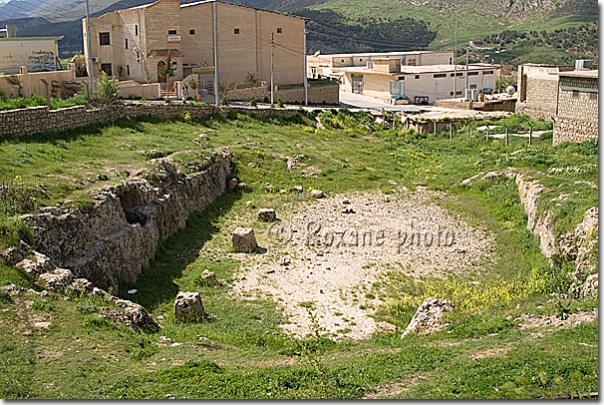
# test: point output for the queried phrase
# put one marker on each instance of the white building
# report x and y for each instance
(385, 79)
(39, 54)
(324, 65)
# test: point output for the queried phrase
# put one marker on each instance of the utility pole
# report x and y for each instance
(467, 66)
(88, 44)
(272, 67)
(455, 57)
(216, 81)
(305, 72)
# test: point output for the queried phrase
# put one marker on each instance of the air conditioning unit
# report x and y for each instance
(369, 65)
(95, 59)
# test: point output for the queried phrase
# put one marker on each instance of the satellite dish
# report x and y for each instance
(510, 90)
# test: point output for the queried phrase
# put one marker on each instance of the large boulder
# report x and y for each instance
(316, 194)
(244, 240)
(188, 307)
(428, 318)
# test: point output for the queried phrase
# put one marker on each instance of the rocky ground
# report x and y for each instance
(322, 250)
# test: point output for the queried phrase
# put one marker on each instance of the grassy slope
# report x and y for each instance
(472, 25)
(246, 356)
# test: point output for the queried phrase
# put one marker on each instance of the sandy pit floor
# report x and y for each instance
(317, 253)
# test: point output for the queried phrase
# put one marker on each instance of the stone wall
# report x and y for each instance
(120, 234)
(577, 119)
(328, 94)
(29, 121)
(541, 94)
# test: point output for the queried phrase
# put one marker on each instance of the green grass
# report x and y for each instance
(241, 352)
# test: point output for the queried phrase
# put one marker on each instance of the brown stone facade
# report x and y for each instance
(29, 121)
(329, 94)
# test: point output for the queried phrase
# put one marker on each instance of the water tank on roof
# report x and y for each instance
(510, 90)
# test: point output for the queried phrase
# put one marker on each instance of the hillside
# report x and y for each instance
(351, 25)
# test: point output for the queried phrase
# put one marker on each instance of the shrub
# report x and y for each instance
(42, 304)
(279, 103)
(5, 297)
(107, 91)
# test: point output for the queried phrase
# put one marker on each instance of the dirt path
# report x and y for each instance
(320, 253)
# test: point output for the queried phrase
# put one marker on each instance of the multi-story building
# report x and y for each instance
(133, 44)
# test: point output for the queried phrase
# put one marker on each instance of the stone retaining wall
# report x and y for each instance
(328, 94)
(29, 121)
(120, 234)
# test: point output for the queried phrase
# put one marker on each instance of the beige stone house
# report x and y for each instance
(538, 89)
(132, 44)
(576, 117)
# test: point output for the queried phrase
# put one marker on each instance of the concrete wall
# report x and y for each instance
(38, 54)
(577, 119)
(31, 82)
(130, 88)
(29, 121)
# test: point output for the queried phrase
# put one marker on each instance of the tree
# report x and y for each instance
(80, 64)
(224, 90)
(167, 70)
(107, 90)
(252, 79)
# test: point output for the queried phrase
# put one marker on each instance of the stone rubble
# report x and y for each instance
(428, 318)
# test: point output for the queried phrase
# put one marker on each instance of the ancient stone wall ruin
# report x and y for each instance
(120, 234)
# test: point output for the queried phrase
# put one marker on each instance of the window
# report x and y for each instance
(575, 94)
(473, 86)
(279, 30)
(138, 56)
(135, 29)
(472, 73)
(401, 77)
(487, 72)
(417, 76)
(127, 70)
(191, 32)
(361, 60)
(171, 32)
(438, 75)
(458, 93)
(104, 38)
(126, 43)
(174, 63)
(450, 63)
(458, 74)
(593, 96)
(236, 31)
(106, 67)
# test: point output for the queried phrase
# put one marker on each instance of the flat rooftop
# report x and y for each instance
(579, 73)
